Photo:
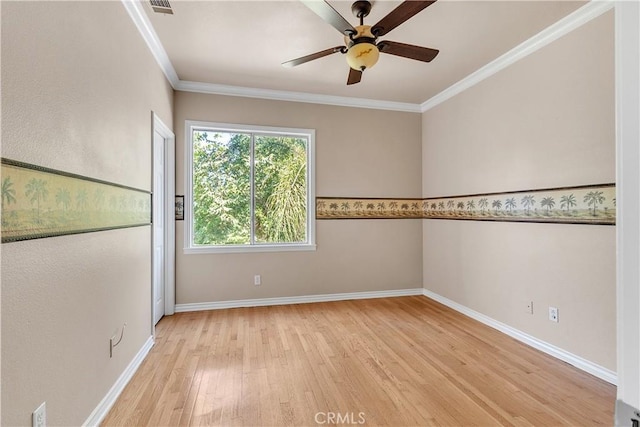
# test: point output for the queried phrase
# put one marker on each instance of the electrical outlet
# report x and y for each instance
(39, 416)
(257, 281)
(529, 308)
(553, 314)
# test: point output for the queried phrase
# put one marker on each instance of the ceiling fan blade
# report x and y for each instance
(400, 14)
(313, 56)
(410, 51)
(354, 76)
(331, 16)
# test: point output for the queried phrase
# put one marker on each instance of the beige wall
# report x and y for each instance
(78, 88)
(546, 121)
(359, 153)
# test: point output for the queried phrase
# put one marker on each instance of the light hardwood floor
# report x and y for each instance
(395, 361)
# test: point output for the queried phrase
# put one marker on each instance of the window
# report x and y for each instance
(249, 188)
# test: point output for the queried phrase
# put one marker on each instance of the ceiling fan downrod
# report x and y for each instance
(361, 9)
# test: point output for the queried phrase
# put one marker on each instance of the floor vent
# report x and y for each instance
(161, 6)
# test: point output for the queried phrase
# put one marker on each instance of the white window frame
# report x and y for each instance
(309, 134)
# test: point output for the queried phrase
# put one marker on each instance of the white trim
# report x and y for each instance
(586, 13)
(569, 23)
(101, 411)
(627, 67)
(170, 223)
(310, 135)
(219, 305)
(281, 95)
(284, 247)
(139, 18)
(141, 21)
(577, 361)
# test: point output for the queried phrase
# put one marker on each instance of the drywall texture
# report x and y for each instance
(546, 121)
(78, 88)
(359, 153)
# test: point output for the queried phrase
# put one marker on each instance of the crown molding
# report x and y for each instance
(586, 13)
(139, 17)
(281, 95)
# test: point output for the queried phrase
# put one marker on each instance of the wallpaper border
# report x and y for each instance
(584, 204)
(39, 202)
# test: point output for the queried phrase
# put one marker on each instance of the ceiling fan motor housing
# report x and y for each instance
(362, 32)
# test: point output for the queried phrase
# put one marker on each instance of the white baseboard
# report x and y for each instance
(105, 405)
(577, 361)
(180, 308)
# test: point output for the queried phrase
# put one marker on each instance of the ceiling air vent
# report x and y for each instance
(161, 6)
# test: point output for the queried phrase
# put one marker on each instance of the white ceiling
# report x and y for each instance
(242, 44)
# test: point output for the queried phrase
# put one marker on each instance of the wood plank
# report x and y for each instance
(394, 361)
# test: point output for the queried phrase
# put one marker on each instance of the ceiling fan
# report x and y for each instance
(361, 42)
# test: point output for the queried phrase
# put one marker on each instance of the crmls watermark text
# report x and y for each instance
(339, 418)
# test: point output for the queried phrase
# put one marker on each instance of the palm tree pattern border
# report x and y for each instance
(589, 204)
(39, 202)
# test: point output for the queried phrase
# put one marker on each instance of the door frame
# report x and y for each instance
(169, 149)
(627, 58)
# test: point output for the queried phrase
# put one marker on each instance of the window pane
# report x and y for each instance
(221, 188)
(280, 189)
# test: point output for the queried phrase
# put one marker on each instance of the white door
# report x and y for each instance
(159, 224)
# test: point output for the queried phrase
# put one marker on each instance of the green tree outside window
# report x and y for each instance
(249, 188)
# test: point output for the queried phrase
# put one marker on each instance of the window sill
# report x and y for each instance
(249, 249)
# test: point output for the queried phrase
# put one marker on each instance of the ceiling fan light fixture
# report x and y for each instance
(363, 55)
